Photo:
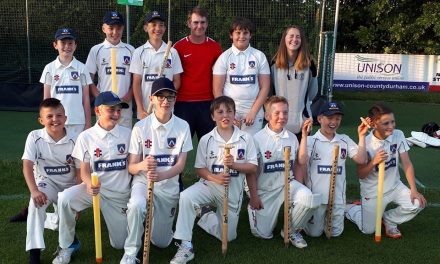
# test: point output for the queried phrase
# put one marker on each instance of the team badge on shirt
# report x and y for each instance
(232, 66)
(42, 184)
(126, 60)
(393, 148)
(121, 148)
(168, 65)
(267, 154)
(56, 77)
(74, 75)
(148, 143)
(343, 153)
(171, 142)
(251, 64)
(301, 76)
(240, 154)
(69, 159)
(98, 152)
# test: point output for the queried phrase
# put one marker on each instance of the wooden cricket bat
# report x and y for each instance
(162, 68)
(331, 193)
(225, 207)
(97, 221)
(378, 233)
(286, 227)
(148, 222)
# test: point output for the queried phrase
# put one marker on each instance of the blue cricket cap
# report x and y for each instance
(110, 99)
(154, 15)
(331, 108)
(113, 18)
(162, 84)
(65, 33)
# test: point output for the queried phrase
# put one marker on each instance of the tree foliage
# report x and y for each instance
(389, 26)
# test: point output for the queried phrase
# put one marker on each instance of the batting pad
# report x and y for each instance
(303, 210)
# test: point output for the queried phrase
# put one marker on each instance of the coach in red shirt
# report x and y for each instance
(198, 54)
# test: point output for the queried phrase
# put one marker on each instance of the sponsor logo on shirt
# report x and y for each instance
(327, 169)
(242, 79)
(166, 160)
(388, 164)
(119, 70)
(150, 77)
(66, 89)
(57, 170)
(232, 66)
(104, 62)
(56, 77)
(148, 143)
(98, 152)
(212, 155)
(111, 165)
(267, 154)
(216, 169)
(276, 166)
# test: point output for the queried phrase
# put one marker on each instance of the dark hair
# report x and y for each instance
(199, 11)
(242, 23)
(226, 100)
(51, 103)
(273, 100)
(377, 110)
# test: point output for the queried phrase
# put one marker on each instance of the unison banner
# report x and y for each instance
(391, 72)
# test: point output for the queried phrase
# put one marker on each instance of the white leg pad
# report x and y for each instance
(303, 210)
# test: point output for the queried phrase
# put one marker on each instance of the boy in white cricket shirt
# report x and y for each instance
(48, 168)
(158, 149)
(148, 59)
(270, 143)
(320, 150)
(210, 160)
(387, 144)
(242, 73)
(99, 63)
(67, 79)
(103, 149)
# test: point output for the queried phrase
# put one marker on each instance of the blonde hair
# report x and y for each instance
(303, 60)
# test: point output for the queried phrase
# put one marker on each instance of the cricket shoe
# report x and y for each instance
(129, 259)
(183, 255)
(392, 231)
(296, 239)
(64, 254)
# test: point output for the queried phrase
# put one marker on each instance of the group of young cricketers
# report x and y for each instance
(59, 159)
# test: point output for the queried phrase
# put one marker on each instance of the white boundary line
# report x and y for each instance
(419, 183)
(14, 197)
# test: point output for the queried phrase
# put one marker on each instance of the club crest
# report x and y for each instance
(171, 142)
(240, 154)
(121, 148)
(343, 153)
(126, 60)
(168, 65)
(69, 159)
(393, 148)
(251, 64)
(74, 75)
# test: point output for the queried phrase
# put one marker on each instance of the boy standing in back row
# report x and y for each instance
(99, 63)
(147, 62)
(67, 79)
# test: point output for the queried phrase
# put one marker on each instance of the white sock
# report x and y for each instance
(187, 244)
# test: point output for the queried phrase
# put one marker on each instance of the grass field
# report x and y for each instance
(419, 245)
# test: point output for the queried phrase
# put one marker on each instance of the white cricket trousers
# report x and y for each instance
(262, 222)
(315, 226)
(164, 209)
(113, 208)
(198, 195)
(364, 216)
(37, 216)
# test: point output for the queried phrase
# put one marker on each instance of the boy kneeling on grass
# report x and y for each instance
(387, 144)
(48, 168)
(209, 163)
